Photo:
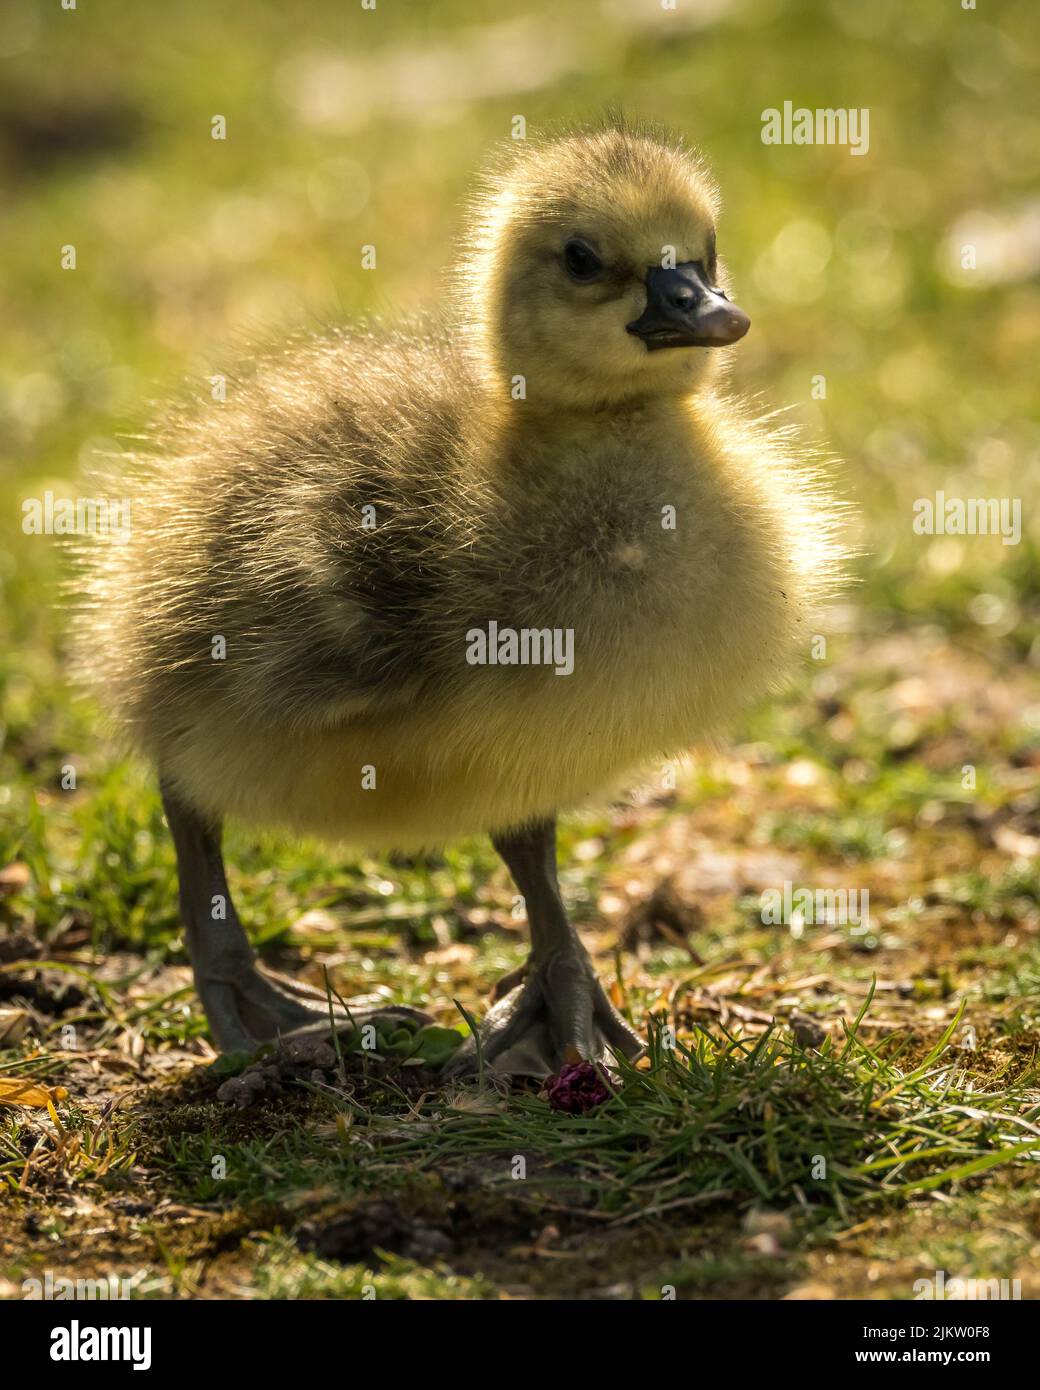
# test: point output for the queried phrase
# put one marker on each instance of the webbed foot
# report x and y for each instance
(248, 1007)
(560, 1008)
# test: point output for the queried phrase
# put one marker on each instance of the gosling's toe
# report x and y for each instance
(561, 1009)
(246, 1010)
(254, 1007)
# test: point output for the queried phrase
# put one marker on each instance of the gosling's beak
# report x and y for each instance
(684, 310)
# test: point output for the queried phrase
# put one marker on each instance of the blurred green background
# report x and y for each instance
(348, 126)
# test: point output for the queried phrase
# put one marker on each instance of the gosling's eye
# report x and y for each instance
(581, 261)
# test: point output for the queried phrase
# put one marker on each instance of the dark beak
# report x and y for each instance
(684, 310)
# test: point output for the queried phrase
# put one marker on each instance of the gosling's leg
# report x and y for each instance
(244, 1007)
(560, 1005)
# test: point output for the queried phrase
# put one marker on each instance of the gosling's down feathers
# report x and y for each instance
(288, 622)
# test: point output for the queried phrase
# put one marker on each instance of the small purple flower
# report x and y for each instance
(577, 1087)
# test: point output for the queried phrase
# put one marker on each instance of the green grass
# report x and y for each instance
(749, 1121)
(802, 1142)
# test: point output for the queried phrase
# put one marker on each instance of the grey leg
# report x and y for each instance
(560, 1005)
(243, 1006)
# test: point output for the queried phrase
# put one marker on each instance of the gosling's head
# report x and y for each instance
(593, 272)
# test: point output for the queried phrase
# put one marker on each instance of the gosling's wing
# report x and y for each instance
(288, 544)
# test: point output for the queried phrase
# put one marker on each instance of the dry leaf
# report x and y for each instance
(20, 1090)
(14, 877)
(765, 1243)
(1014, 843)
(14, 1024)
(316, 922)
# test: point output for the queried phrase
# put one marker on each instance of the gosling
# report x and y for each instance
(402, 587)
